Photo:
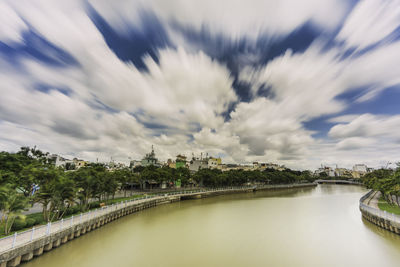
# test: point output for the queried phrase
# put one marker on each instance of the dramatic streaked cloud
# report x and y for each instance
(370, 22)
(232, 18)
(11, 25)
(295, 82)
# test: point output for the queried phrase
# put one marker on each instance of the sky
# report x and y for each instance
(299, 83)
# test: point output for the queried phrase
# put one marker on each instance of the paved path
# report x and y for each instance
(373, 200)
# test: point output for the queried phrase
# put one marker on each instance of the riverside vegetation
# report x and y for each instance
(30, 176)
(387, 181)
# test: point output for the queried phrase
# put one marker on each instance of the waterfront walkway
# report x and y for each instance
(373, 199)
(370, 211)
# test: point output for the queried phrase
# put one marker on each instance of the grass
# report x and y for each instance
(384, 205)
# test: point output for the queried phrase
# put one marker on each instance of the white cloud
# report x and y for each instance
(366, 138)
(182, 93)
(180, 102)
(353, 143)
(343, 118)
(297, 78)
(11, 25)
(369, 125)
(268, 130)
(233, 18)
(370, 22)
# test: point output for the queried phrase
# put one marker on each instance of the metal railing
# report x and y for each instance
(377, 212)
(36, 232)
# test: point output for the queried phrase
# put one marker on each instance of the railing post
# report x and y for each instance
(14, 240)
(61, 224)
(80, 219)
(33, 232)
(72, 220)
(48, 228)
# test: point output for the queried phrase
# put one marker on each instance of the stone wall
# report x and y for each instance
(388, 221)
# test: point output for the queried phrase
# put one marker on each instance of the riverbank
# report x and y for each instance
(24, 246)
(371, 212)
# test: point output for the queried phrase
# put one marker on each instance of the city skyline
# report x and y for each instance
(93, 79)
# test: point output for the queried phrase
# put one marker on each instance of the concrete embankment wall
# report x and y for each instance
(36, 247)
(388, 221)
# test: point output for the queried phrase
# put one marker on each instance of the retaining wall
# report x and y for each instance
(386, 220)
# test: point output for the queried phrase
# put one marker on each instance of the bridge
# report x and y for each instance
(338, 182)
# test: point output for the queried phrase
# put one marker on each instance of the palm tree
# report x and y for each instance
(12, 204)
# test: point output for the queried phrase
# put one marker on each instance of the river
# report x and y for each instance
(319, 226)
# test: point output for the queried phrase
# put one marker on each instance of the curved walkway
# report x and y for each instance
(373, 199)
(371, 212)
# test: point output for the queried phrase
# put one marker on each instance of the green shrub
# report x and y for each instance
(18, 224)
(76, 209)
(37, 217)
(94, 205)
(72, 210)
(30, 222)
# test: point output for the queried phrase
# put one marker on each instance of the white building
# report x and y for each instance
(213, 163)
(197, 164)
(361, 168)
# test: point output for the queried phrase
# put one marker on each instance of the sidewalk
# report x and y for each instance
(373, 200)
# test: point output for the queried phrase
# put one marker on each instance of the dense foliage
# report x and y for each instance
(29, 177)
(386, 181)
(217, 178)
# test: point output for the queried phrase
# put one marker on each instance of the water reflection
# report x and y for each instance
(388, 235)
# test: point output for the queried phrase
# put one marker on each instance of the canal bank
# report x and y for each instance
(371, 212)
(24, 246)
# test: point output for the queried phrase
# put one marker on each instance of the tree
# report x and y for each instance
(89, 182)
(63, 197)
(183, 174)
(48, 179)
(11, 205)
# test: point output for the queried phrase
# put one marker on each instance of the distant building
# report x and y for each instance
(150, 159)
(79, 163)
(361, 168)
(196, 164)
(59, 161)
(213, 163)
(180, 161)
(342, 172)
(135, 163)
(263, 166)
(328, 171)
(171, 164)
